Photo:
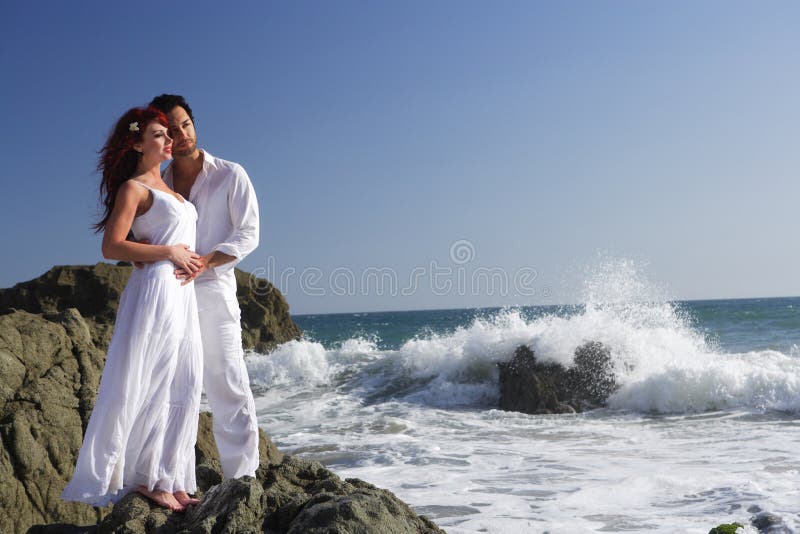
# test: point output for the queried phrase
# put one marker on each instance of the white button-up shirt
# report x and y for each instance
(227, 212)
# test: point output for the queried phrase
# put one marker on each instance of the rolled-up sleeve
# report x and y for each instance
(243, 209)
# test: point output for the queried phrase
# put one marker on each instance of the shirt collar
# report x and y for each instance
(209, 162)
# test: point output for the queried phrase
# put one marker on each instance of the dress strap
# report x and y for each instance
(142, 184)
(176, 196)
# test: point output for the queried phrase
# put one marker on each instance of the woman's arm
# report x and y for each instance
(116, 247)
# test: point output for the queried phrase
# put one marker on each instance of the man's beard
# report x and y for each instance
(185, 150)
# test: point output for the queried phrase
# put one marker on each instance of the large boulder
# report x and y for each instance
(289, 495)
(531, 386)
(294, 496)
(50, 371)
(266, 322)
(94, 290)
(54, 333)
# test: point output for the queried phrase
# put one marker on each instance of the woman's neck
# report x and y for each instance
(149, 172)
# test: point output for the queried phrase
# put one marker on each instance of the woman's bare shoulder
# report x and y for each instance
(130, 190)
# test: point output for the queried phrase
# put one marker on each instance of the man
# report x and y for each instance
(227, 231)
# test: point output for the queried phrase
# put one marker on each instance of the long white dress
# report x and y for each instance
(143, 428)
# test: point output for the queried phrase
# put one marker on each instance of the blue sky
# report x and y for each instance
(384, 137)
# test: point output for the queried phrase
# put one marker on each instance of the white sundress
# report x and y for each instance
(143, 428)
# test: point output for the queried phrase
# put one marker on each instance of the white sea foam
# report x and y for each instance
(477, 469)
(297, 361)
(662, 363)
(359, 346)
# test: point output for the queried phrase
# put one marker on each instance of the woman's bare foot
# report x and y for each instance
(162, 498)
(183, 498)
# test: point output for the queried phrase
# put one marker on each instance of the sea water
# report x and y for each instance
(704, 428)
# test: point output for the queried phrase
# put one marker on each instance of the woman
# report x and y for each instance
(143, 428)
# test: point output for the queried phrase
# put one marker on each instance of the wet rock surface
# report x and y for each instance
(531, 386)
(769, 523)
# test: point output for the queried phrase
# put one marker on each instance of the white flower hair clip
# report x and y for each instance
(133, 127)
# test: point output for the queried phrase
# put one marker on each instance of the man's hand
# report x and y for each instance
(186, 277)
(210, 260)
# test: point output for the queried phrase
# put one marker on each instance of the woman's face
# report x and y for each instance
(156, 142)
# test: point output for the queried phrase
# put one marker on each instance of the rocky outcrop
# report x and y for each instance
(530, 386)
(763, 522)
(768, 523)
(295, 496)
(50, 369)
(289, 495)
(266, 322)
(54, 333)
(94, 290)
(726, 528)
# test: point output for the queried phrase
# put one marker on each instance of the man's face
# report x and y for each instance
(181, 129)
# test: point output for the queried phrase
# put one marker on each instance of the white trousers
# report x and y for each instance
(225, 380)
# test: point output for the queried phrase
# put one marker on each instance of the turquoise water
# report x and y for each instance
(704, 428)
(738, 325)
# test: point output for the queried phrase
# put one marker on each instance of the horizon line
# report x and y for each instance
(713, 299)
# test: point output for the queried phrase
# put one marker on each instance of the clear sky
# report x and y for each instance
(431, 145)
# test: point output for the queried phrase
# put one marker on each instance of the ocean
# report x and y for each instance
(703, 430)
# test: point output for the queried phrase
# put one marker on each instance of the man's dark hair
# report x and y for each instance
(166, 103)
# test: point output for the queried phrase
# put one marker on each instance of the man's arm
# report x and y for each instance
(243, 210)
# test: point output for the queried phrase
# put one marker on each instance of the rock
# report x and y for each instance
(54, 333)
(292, 497)
(593, 374)
(208, 468)
(769, 523)
(727, 528)
(289, 495)
(62, 528)
(51, 358)
(365, 508)
(51, 370)
(94, 290)
(266, 322)
(530, 386)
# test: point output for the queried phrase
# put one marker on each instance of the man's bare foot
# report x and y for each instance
(183, 498)
(162, 498)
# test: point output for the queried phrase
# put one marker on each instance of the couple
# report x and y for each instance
(177, 328)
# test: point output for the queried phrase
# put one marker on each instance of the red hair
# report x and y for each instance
(118, 159)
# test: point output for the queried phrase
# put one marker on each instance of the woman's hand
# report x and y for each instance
(187, 277)
(184, 258)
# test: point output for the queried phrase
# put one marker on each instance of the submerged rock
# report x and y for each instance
(593, 379)
(530, 386)
(769, 523)
(726, 528)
